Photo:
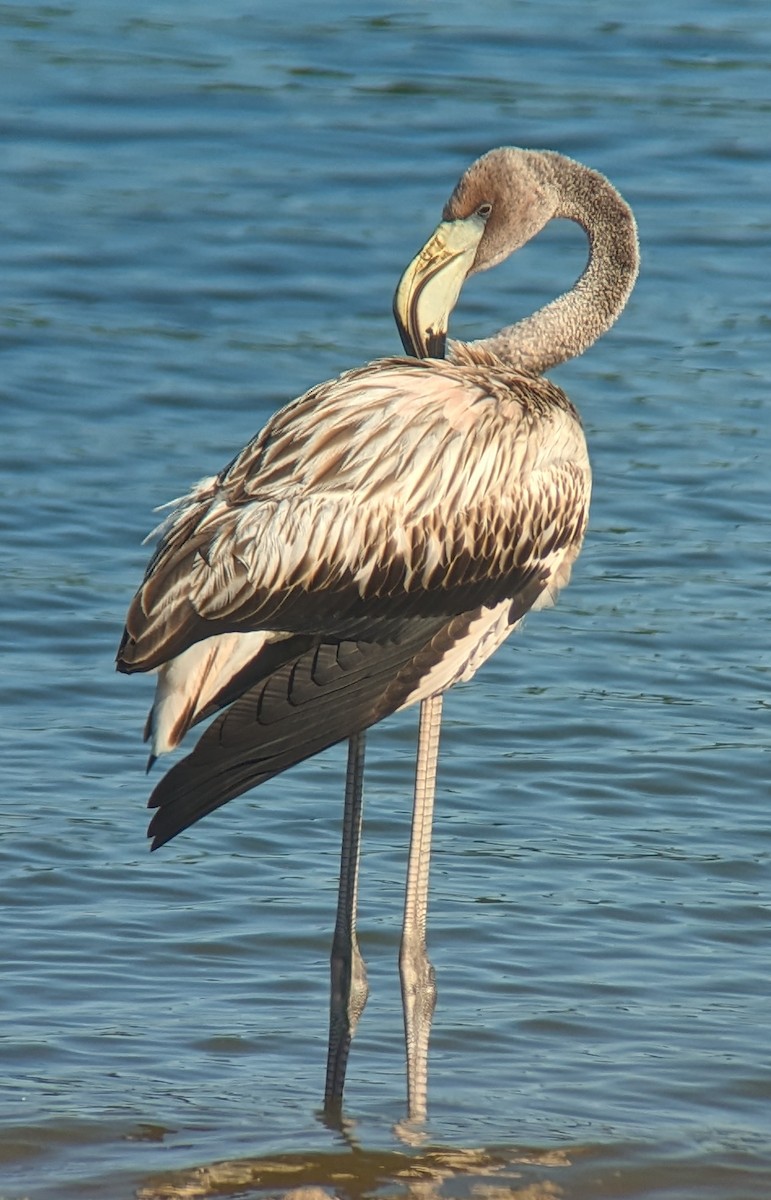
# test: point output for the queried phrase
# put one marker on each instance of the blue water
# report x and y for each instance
(204, 211)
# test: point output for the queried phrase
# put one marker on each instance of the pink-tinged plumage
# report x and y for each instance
(377, 542)
(403, 491)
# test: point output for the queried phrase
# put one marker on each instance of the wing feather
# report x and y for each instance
(320, 695)
(406, 489)
(311, 702)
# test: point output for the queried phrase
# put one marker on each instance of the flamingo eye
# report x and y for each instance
(484, 210)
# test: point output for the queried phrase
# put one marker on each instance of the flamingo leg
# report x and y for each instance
(348, 990)
(417, 974)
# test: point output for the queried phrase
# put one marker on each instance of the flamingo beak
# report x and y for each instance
(428, 290)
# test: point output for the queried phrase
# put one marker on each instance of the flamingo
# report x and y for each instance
(376, 542)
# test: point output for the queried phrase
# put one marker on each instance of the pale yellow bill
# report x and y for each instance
(428, 290)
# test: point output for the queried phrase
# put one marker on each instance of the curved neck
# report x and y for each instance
(570, 324)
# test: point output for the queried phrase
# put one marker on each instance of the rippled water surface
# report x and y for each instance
(205, 209)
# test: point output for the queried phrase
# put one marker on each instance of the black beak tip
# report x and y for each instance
(436, 344)
(407, 342)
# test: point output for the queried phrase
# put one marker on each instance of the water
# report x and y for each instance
(205, 210)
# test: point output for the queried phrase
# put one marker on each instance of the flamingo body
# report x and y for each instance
(373, 545)
(377, 542)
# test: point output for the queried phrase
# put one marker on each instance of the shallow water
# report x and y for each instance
(205, 211)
